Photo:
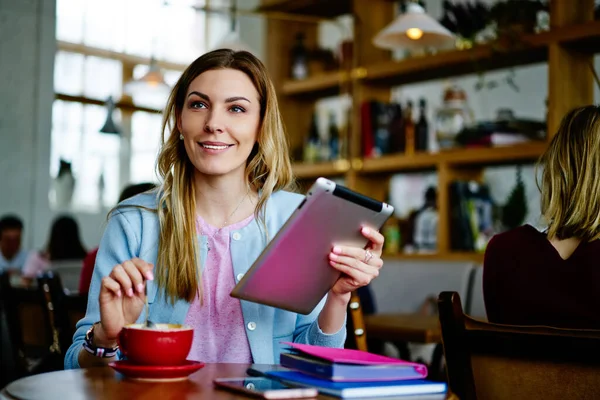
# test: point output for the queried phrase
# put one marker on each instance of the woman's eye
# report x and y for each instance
(237, 109)
(197, 104)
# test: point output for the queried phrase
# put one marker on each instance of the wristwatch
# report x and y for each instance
(90, 347)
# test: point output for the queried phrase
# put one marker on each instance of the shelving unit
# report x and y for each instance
(567, 48)
(312, 171)
(307, 7)
(451, 256)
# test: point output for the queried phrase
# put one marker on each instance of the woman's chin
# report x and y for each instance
(219, 170)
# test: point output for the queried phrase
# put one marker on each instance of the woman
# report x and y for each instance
(64, 244)
(225, 170)
(552, 277)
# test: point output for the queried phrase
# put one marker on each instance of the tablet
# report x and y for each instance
(293, 271)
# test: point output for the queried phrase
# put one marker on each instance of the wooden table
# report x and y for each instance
(104, 383)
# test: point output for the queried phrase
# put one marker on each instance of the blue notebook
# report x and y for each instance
(352, 390)
(341, 372)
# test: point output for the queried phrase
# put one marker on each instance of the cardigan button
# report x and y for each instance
(239, 277)
(236, 236)
(251, 326)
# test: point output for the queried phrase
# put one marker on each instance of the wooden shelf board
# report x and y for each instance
(585, 37)
(453, 63)
(451, 256)
(333, 8)
(530, 49)
(463, 157)
(321, 85)
(494, 155)
(325, 169)
(401, 162)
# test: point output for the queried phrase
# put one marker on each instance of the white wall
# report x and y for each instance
(27, 49)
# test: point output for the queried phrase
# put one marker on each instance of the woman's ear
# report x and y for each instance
(179, 123)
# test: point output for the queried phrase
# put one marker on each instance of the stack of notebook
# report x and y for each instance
(350, 374)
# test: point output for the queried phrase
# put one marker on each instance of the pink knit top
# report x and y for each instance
(219, 331)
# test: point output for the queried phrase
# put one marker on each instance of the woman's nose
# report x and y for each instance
(213, 123)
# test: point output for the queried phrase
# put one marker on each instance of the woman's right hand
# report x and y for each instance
(122, 298)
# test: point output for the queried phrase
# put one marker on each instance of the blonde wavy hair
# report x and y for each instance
(268, 169)
(570, 187)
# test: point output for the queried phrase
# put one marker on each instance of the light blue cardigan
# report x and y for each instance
(133, 232)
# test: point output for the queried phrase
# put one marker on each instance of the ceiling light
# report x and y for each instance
(412, 30)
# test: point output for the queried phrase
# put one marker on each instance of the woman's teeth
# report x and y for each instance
(213, 147)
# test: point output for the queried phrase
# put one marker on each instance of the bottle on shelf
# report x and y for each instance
(334, 138)
(299, 59)
(409, 128)
(397, 139)
(312, 146)
(345, 132)
(422, 128)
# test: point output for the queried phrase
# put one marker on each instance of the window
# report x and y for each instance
(145, 140)
(101, 45)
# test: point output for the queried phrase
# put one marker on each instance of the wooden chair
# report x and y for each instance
(68, 308)
(356, 337)
(32, 327)
(492, 361)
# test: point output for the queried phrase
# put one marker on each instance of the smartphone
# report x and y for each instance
(265, 388)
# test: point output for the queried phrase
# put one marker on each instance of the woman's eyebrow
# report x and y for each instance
(236, 98)
(227, 100)
(199, 94)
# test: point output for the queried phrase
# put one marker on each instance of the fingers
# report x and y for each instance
(130, 276)
(359, 255)
(376, 239)
(110, 285)
(371, 268)
(144, 267)
(357, 276)
(351, 261)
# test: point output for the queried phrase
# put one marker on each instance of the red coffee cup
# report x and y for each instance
(167, 344)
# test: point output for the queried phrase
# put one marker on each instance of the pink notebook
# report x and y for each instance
(356, 357)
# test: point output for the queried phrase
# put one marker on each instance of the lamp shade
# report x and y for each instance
(109, 125)
(153, 82)
(414, 29)
(232, 39)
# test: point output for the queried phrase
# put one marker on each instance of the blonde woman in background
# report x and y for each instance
(552, 277)
(226, 178)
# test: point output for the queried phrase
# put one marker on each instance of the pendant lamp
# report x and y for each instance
(414, 29)
(110, 126)
(153, 82)
(232, 40)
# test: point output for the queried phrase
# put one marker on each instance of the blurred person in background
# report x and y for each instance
(64, 244)
(12, 256)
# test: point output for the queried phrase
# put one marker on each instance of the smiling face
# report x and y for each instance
(219, 121)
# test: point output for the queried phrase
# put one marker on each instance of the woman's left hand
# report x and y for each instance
(358, 266)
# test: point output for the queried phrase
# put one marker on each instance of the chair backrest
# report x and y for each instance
(475, 306)
(405, 286)
(29, 326)
(356, 335)
(493, 361)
